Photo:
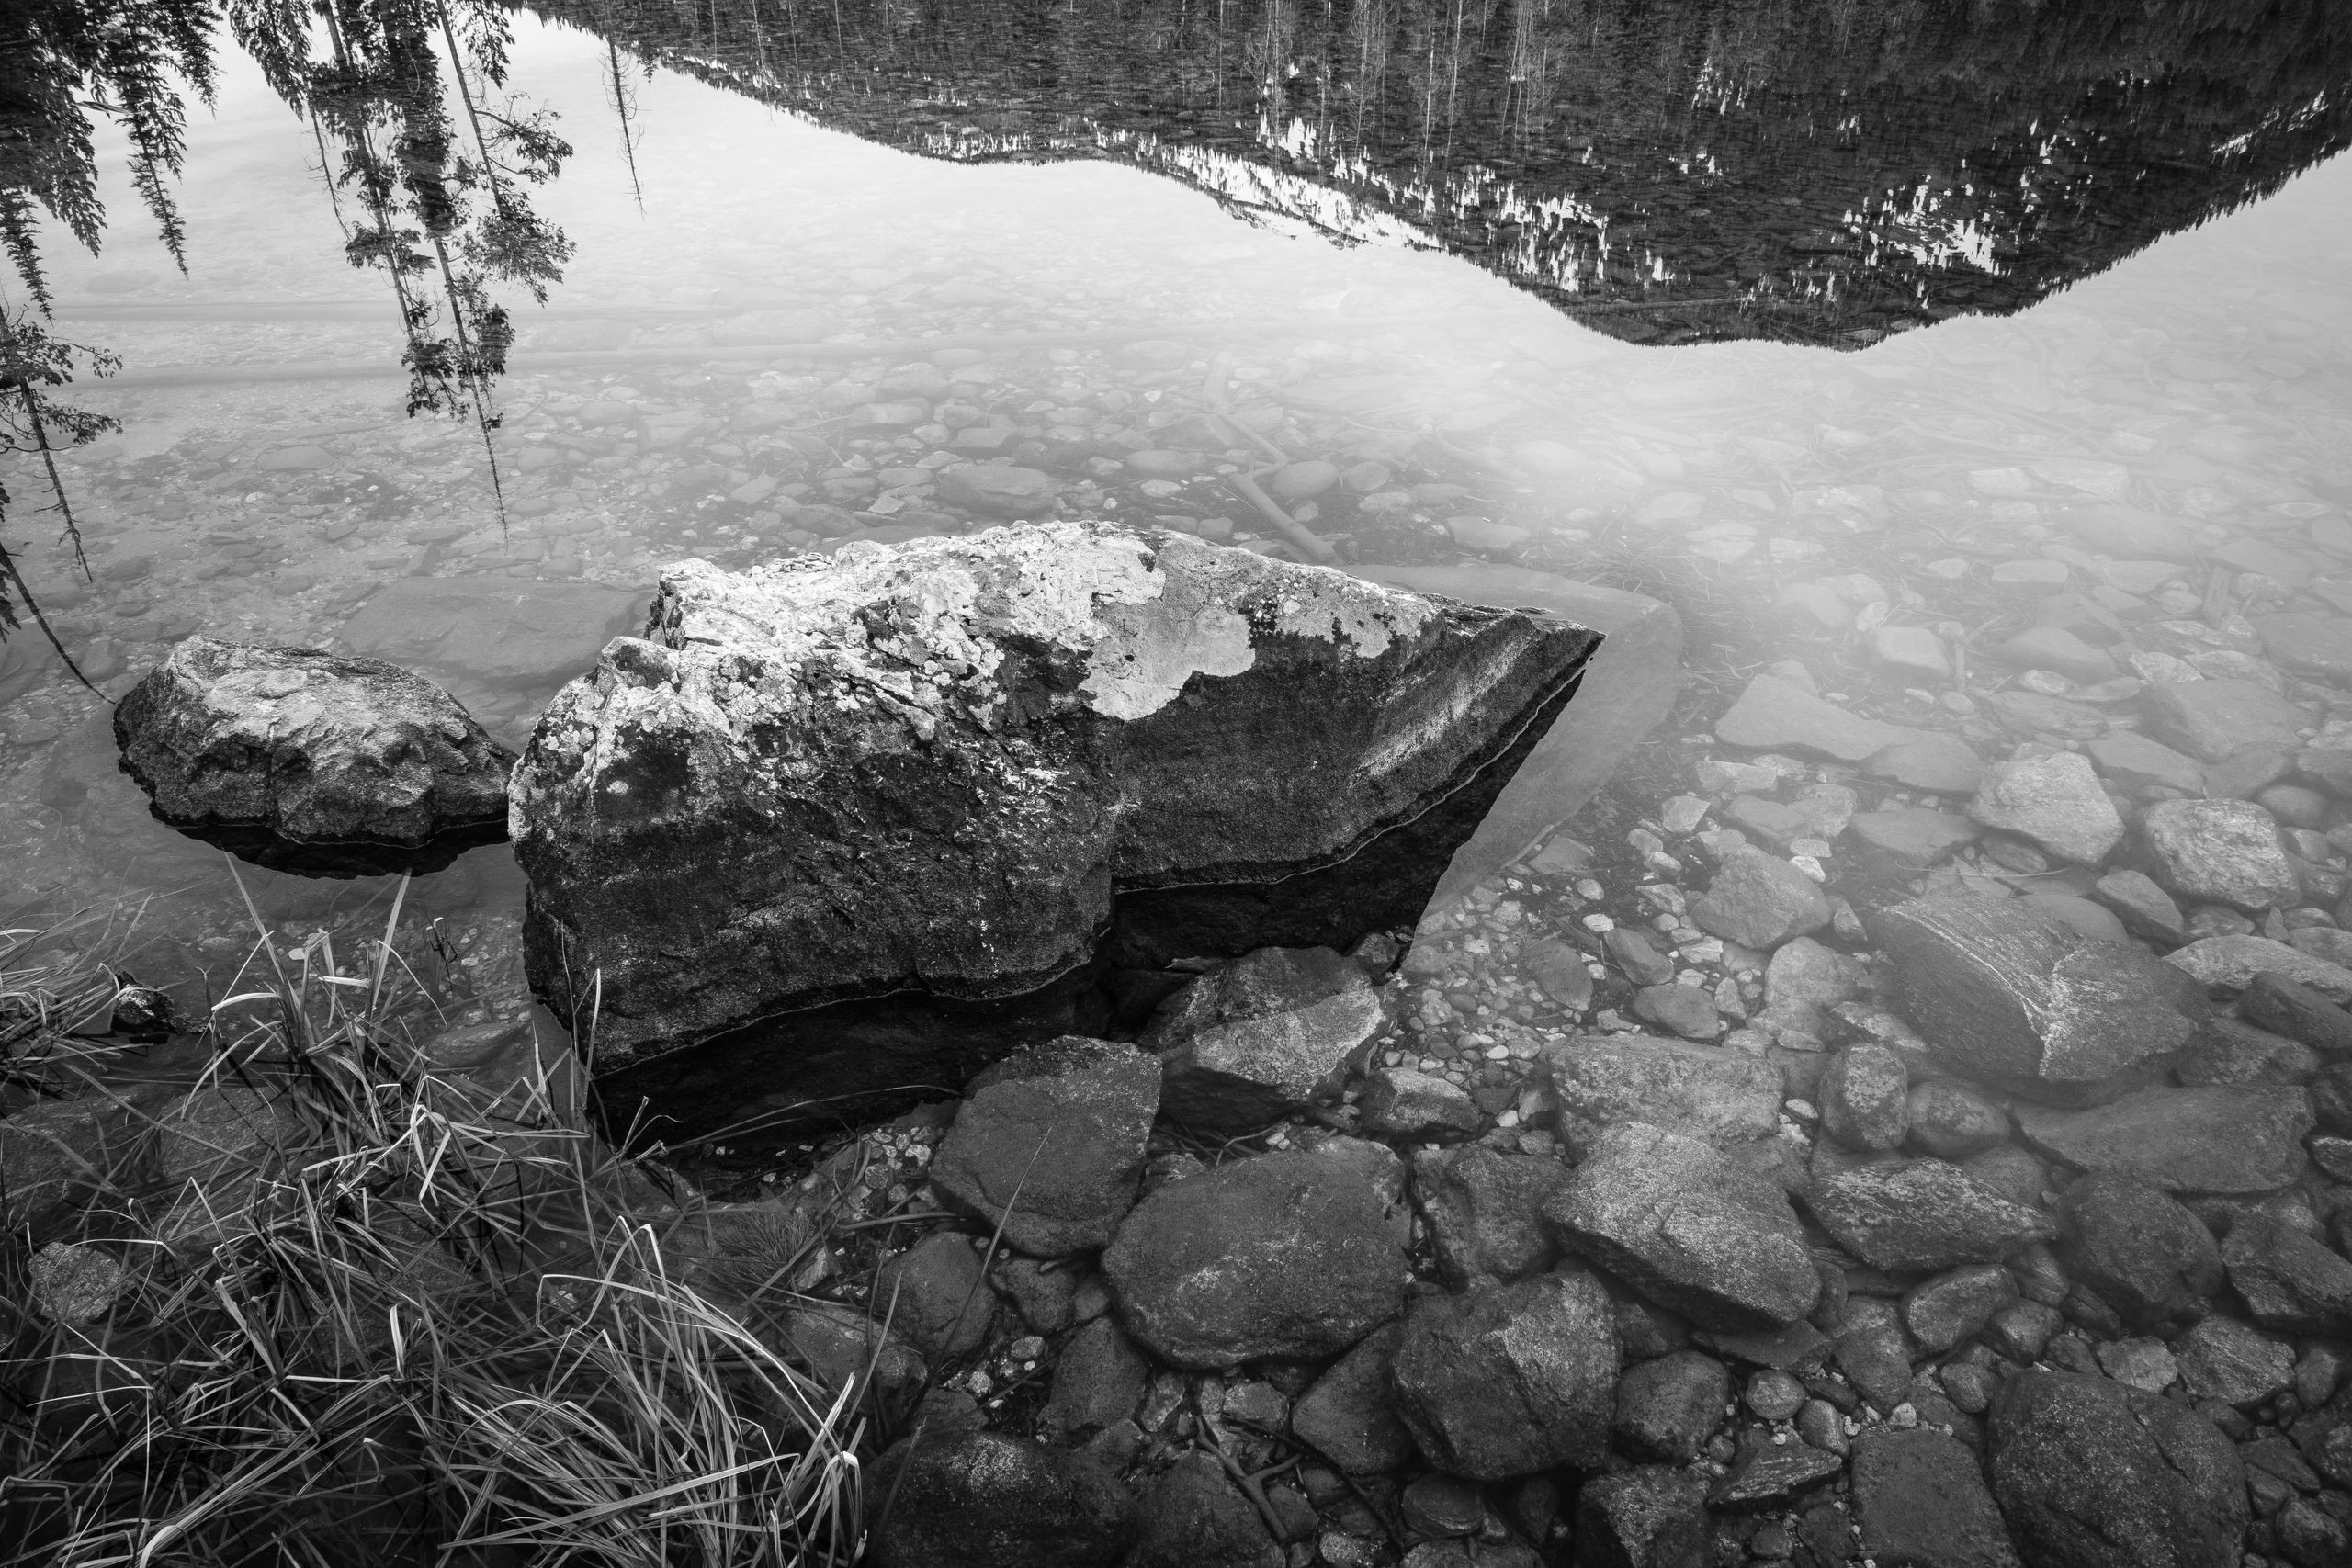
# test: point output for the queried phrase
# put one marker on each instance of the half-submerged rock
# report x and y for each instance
(311, 760)
(955, 772)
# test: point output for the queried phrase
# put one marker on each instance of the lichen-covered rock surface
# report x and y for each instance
(933, 767)
(313, 746)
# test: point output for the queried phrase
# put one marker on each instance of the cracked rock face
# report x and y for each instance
(958, 768)
(314, 747)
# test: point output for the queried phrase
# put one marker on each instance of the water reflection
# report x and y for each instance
(1679, 172)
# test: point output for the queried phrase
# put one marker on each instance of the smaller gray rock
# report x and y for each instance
(2223, 852)
(2294, 1010)
(2055, 800)
(2225, 1359)
(1509, 1380)
(1050, 1142)
(1193, 1516)
(932, 1294)
(999, 490)
(1864, 1096)
(1348, 1414)
(1954, 1306)
(1404, 1102)
(1483, 1212)
(1275, 1030)
(986, 1500)
(2234, 1139)
(2216, 719)
(1773, 715)
(1648, 1516)
(2091, 1473)
(1913, 1216)
(2143, 1252)
(1669, 1406)
(1685, 1009)
(1098, 1380)
(1759, 901)
(2146, 910)
(1706, 1091)
(2290, 1283)
(1951, 1121)
(1920, 1500)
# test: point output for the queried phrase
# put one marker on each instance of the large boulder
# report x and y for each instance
(1273, 1031)
(313, 747)
(986, 1500)
(1287, 1256)
(2140, 1250)
(2231, 1138)
(2008, 995)
(956, 768)
(1669, 1215)
(1508, 1379)
(1049, 1143)
(2090, 1473)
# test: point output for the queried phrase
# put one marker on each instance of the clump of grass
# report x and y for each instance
(367, 1311)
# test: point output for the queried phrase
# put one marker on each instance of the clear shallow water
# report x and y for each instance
(267, 487)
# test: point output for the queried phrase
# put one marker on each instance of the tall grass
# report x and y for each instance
(370, 1311)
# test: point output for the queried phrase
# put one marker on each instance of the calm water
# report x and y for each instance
(2148, 194)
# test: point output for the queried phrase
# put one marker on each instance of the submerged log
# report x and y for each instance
(869, 821)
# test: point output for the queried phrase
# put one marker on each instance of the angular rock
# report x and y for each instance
(1483, 1208)
(2224, 1360)
(2090, 1473)
(1764, 1470)
(1258, 1048)
(1667, 1407)
(2130, 760)
(2145, 1254)
(1951, 1121)
(950, 767)
(1914, 1216)
(2220, 851)
(2230, 1052)
(1704, 1092)
(2231, 964)
(2301, 1014)
(1405, 1102)
(2054, 800)
(2243, 1138)
(2146, 910)
(931, 1294)
(1348, 1414)
(1285, 1256)
(314, 747)
(1944, 1311)
(1942, 764)
(2321, 644)
(2009, 996)
(1669, 1214)
(1913, 839)
(1050, 1142)
(1508, 1379)
(1759, 901)
(1648, 1516)
(1773, 715)
(1805, 971)
(1864, 1096)
(1686, 1009)
(986, 1500)
(1920, 1500)
(2290, 1283)
(2213, 719)
(1098, 1380)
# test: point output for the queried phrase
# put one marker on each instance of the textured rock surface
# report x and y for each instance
(313, 746)
(1348, 1414)
(2230, 963)
(1920, 1500)
(1699, 1236)
(2224, 852)
(1193, 1517)
(933, 766)
(1062, 1126)
(1921, 1215)
(1269, 1032)
(2145, 1254)
(985, 1500)
(1510, 1379)
(1602, 1081)
(2010, 996)
(2054, 800)
(2094, 1474)
(2223, 1138)
(1482, 1206)
(1759, 901)
(1286, 1255)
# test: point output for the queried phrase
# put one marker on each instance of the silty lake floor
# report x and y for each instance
(2152, 463)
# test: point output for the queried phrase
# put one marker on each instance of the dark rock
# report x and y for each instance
(1349, 1415)
(2145, 1254)
(1667, 1407)
(1098, 1380)
(847, 1352)
(2331, 1094)
(1273, 1031)
(1707, 1092)
(2237, 1139)
(2221, 1359)
(1508, 1379)
(311, 746)
(1443, 1505)
(1686, 1009)
(2012, 997)
(2299, 1012)
(2213, 719)
(932, 1294)
(1911, 838)
(2229, 1052)
(55, 1154)
(1920, 1500)
(2310, 1537)
(2291, 1283)
(1951, 1121)
(1285, 1256)
(1404, 1102)
(1944, 1311)
(2094, 1474)
(1648, 1516)
(1194, 1517)
(2220, 852)
(1045, 1295)
(1050, 1142)
(1696, 1233)
(985, 1500)
(1765, 1470)
(1912, 1216)
(1759, 901)
(957, 767)
(1483, 1209)
(1864, 1096)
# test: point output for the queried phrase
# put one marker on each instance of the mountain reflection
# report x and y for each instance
(1679, 170)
